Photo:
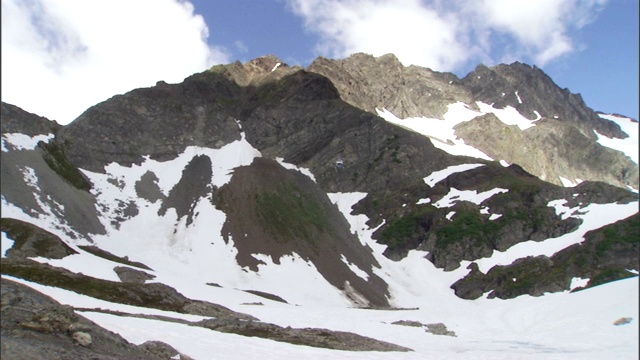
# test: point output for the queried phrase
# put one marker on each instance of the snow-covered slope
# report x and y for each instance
(629, 145)
(551, 326)
(310, 213)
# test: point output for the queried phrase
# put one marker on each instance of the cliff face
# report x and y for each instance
(263, 184)
(561, 144)
(227, 139)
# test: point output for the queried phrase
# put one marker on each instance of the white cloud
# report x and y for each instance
(415, 33)
(539, 29)
(60, 57)
(240, 46)
(447, 35)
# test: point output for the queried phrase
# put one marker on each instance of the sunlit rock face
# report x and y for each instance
(279, 191)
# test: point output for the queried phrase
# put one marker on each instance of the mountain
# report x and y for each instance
(325, 207)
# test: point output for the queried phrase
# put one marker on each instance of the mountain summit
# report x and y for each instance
(251, 196)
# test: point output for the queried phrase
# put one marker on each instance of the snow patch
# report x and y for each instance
(594, 216)
(569, 183)
(23, 142)
(354, 268)
(303, 170)
(449, 216)
(518, 96)
(508, 115)
(5, 244)
(473, 196)
(441, 131)
(437, 176)
(577, 282)
(563, 211)
(275, 67)
(628, 146)
(80, 263)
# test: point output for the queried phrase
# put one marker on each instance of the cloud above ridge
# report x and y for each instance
(446, 35)
(79, 53)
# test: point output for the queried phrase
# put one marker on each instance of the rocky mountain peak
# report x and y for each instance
(263, 187)
(372, 83)
(257, 71)
(534, 94)
(16, 120)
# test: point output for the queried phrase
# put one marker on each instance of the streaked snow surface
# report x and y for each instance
(554, 326)
(628, 146)
(442, 132)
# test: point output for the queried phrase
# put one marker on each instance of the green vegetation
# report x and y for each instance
(609, 274)
(401, 231)
(226, 101)
(54, 155)
(288, 213)
(466, 224)
(621, 233)
(392, 144)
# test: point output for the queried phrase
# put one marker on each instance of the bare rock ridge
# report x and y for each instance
(371, 83)
(322, 119)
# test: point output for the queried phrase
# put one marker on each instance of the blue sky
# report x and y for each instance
(62, 56)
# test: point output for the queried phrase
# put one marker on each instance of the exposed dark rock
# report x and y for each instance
(256, 72)
(16, 120)
(32, 241)
(194, 185)
(276, 212)
(151, 295)
(163, 350)
(322, 338)
(159, 122)
(622, 321)
(371, 83)
(109, 256)
(267, 296)
(55, 156)
(147, 187)
(34, 326)
(323, 118)
(549, 150)
(469, 234)
(436, 329)
(605, 255)
(537, 92)
(408, 323)
(439, 329)
(74, 207)
(129, 275)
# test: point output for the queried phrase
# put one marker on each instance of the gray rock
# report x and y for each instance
(129, 275)
(81, 338)
(34, 326)
(163, 350)
(439, 329)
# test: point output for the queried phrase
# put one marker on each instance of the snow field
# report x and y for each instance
(560, 325)
(628, 146)
(442, 132)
